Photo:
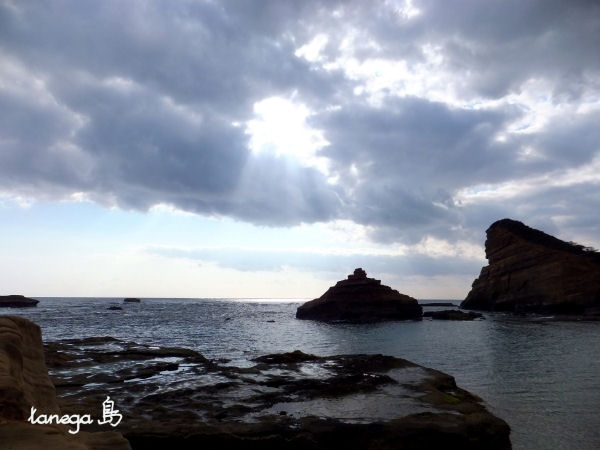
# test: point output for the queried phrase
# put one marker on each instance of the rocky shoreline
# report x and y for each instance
(176, 397)
(24, 383)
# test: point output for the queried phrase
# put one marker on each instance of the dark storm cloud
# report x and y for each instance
(404, 159)
(138, 103)
(157, 87)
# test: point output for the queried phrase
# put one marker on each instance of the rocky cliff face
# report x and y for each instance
(24, 382)
(360, 299)
(531, 271)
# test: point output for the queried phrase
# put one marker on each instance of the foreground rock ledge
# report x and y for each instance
(360, 299)
(175, 398)
(531, 271)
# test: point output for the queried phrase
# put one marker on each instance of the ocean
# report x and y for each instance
(541, 376)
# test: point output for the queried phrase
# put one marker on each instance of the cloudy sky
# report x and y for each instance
(264, 149)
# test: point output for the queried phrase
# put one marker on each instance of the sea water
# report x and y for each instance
(541, 376)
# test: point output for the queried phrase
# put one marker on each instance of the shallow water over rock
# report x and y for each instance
(177, 396)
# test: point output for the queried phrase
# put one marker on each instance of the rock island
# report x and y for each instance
(360, 299)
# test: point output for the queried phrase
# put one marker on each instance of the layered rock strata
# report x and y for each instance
(531, 271)
(360, 299)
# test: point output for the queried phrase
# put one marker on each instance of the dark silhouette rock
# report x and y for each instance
(360, 299)
(17, 301)
(452, 314)
(114, 308)
(131, 300)
(531, 271)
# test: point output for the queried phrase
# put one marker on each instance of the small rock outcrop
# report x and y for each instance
(24, 382)
(360, 299)
(531, 271)
(131, 300)
(17, 301)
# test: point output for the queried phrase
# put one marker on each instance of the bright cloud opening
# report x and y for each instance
(281, 128)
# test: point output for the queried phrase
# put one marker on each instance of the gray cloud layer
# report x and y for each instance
(273, 260)
(138, 103)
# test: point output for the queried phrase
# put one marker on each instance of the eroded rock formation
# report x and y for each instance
(360, 299)
(24, 382)
(531, 271)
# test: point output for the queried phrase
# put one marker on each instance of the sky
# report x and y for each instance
(265, 149)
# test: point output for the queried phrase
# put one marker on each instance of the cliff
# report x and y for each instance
(360, 299)
(531, 271)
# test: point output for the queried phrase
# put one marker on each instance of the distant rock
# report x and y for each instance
(131, 300)
(17, 301)
(531, 271)
(114, 308)
(452, 314)
(360, 299)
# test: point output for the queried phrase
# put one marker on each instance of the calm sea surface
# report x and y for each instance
(542, 377)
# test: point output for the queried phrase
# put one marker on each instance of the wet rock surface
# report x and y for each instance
(17, 301)
(531, 271)
(176, 397)
(453, 314)
(360, 299)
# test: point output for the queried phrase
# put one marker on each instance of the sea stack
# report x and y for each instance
(531, 271)
(17, 301)
(360, 299)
